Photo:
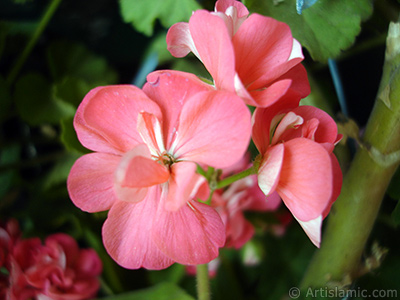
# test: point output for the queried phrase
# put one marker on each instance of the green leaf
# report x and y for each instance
(75, 60)
(143, 13)
(36, 103)
(69, 138)
(325, 29)
(163, 291)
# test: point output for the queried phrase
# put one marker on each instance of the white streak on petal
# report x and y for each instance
(296, 51)
(313, 229)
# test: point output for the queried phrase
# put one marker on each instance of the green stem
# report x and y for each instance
(201, 171)
(203, 282)
(32, 42)
(231, 179)
(338, 261)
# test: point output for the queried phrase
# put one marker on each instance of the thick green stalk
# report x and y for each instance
(203, 282)
(338, 261)
(33, 40)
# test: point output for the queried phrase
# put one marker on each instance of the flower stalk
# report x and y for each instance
(338, 261)
(231, 179)
(203, 282)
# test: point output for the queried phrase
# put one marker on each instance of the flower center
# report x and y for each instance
(165, 159)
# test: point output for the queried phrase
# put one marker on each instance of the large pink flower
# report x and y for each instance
(297, 162)
(147, 143)
(254, 56)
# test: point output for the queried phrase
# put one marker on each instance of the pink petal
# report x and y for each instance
(214, 129)
(293, 71)
(262, 47)
(290, 120)
(327, 128)
(191, 235)
(127, 234)
(238, 231)
(149, 129)
(233, 13)
(179, 40)
(106, 119)
(170, 90)
(300, 85)
(337, 184)
(214, 47)
(136, 172)
(68, 246)
(181, 184)
(262, 118)
(306, 182)
(328, 147)
(269, 172)
(88, 263)
(267, 96)
(241, 165)
(201, 190)
(309, 129)
(91, 181)
(313, 229)
(242, 92)
(223, 5)
(270, 203)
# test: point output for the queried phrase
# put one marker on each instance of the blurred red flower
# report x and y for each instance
(57, 269)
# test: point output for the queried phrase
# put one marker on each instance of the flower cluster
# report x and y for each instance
(151, 145)
(56, 270)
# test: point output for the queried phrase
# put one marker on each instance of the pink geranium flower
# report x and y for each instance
(254, 56)
(297, 162)
(147, 143)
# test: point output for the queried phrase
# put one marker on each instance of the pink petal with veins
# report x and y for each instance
(91, 181)
(191, 235)
(106, 119)
(127, 234)
(214, 129)
(306, 181)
